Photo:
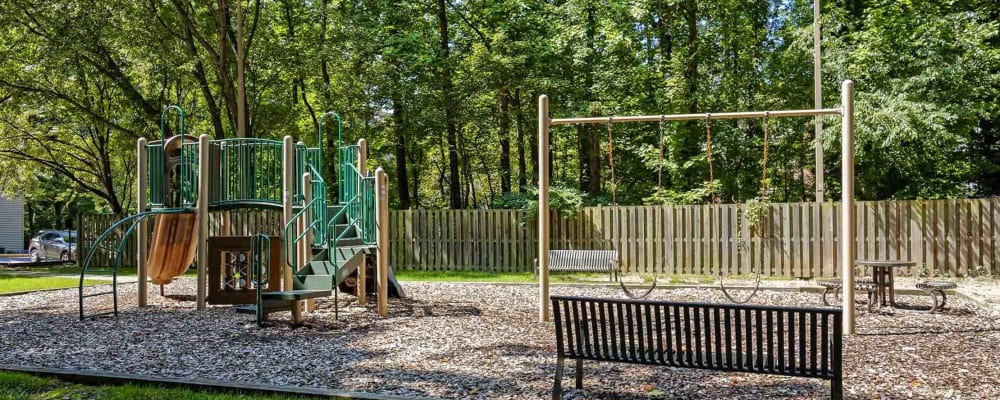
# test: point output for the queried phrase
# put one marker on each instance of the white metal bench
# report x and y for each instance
(583, 261)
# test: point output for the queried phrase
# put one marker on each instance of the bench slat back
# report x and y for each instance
(582, 260)
(777, 340)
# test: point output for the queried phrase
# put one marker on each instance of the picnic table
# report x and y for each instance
(883, 276)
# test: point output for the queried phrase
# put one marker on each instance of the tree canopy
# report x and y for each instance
(446, 91)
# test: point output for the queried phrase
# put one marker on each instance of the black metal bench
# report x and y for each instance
(583, 261)
(788, 341)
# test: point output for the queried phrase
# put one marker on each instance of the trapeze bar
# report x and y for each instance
(689, 117)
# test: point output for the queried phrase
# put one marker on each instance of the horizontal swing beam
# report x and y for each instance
(690, 117)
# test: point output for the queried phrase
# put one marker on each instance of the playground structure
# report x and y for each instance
(847, 228)
(325, 246)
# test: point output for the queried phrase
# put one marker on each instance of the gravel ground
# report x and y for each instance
(477, 341)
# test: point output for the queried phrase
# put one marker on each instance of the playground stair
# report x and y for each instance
(324, 273)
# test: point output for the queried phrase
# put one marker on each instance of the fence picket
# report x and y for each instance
(951, 237)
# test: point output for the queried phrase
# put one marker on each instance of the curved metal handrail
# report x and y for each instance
(135, 219)
(291, 245)
(163, 119)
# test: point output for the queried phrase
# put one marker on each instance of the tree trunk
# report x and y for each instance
(402, 181)
(533, 145)
(450, 113)
(589, 144)
(206, 91)
(504, 98)
(691, 70)
(522, 170)
(417, 170)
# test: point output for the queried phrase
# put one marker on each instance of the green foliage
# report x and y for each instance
(80, 81)
(564, 200)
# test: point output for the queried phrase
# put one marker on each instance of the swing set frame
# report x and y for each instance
(848, 250)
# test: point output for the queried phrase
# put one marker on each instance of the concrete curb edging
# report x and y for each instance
(92, 377)
(979, 301)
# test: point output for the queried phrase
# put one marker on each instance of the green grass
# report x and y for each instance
(97, 270)
(14, 385)
(16, 283)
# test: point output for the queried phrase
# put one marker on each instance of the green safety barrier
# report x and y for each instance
(249, 171)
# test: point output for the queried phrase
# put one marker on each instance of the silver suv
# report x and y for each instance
(50, 243)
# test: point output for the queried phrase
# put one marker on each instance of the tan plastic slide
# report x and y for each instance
(175, 242)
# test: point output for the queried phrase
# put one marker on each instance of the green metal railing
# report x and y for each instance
(316, 227)
(156, 161)
(156, 166)
(347, 180)
(260, 259)
(188, 182)
(118, 251)
(248, 170)
(307, 159)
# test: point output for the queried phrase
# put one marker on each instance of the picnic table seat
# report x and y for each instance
(833, 286)
(934, 289)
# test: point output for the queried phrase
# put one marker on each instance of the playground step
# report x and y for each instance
(349, 242)
(321, 267)
(319, 252)
(347, 252)
(340, 228)
(313, 282)
(296, 295)
(333, 210)
(269, 306)
(349, 260)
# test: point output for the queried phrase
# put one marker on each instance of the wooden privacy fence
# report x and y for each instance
(947, 237)
(241, 223)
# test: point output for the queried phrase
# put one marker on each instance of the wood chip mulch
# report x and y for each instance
(477, 341)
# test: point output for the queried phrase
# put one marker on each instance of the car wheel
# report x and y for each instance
(64, 256)
(34, 255)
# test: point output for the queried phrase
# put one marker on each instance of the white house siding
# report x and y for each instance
(12, 224)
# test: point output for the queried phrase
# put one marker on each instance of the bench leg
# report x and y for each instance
(579, 373)
(836, 389)
(827, 291)
(934, 301)
(557, 385)
(944, 299)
